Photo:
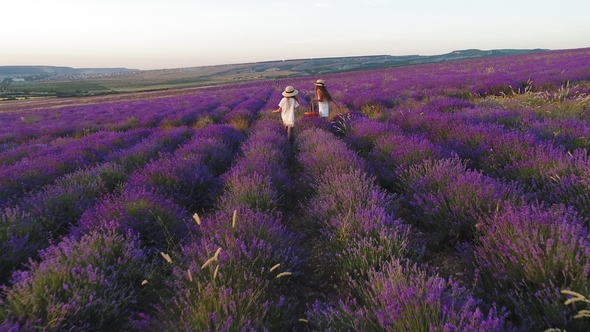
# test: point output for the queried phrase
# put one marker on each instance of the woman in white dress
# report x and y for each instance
(323, 98)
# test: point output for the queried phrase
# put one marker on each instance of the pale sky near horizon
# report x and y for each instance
(151, 34)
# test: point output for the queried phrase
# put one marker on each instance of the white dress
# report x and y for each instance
(288, 106)
(323, 109)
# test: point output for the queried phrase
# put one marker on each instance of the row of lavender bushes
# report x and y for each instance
(44, 216)
(33, 221)
(44, 125)
(237, 276)
(35, 215)
(96, 276)
(511, 202)
(146, 215)
(35, 162)
(371, 253)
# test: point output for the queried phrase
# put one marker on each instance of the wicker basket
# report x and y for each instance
(311, 113)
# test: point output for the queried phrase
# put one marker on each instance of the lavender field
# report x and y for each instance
(443, 197)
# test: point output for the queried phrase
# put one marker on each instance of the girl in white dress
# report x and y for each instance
(287, 107)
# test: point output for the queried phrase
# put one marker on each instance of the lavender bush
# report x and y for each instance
(320, 152)
(87, 284)
(448, 200)
(149, 148)
(259, 177)
(405, 297)
(158, 221)
(15, 243)
(526, 255)
(189, 183)
(572, 190)
(63, 157)
(365, 132)
(353, 215)
(44, 216)
(236, 276)
(394, 152)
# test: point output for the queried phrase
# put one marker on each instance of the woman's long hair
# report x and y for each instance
(327, 95)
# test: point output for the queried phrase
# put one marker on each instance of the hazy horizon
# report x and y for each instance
(181, 33)
(276, 60)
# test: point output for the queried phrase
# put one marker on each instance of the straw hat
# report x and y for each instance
(319, 83)
(290, 92)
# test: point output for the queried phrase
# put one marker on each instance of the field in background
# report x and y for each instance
(139, 81)
(47, 103)
(50, 82)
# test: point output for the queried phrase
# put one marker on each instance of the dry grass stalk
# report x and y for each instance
(212, 259)
(166, 257)
(215, 272)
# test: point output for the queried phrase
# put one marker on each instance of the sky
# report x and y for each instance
(159, 34)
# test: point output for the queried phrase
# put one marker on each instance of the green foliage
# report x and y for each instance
(17, 228)
(372, 111)
(203, 121)
(564, 102)
(255, 192)
(112, 176)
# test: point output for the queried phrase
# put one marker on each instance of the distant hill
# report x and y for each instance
(11, 71)
(313, 66)
(302, 66)
(17, 82)
(331, 65)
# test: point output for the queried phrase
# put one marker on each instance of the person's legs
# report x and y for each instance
(289, 128)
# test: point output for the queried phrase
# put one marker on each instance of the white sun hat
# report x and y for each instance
(290, 91)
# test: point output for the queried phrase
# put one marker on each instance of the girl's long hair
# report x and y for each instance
(327, 95)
